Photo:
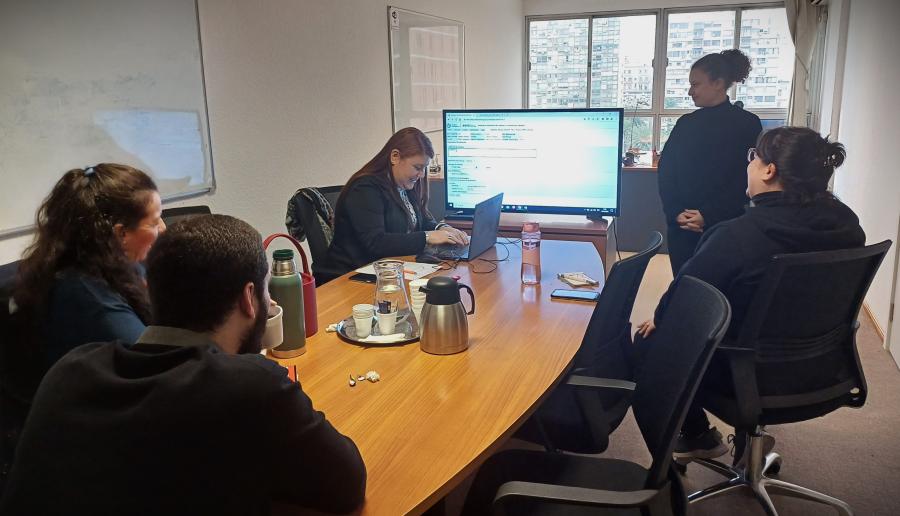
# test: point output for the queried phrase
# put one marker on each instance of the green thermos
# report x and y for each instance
(286, 288)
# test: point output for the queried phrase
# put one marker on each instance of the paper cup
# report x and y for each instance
(362, 318)
(386, 322)
(363, 310)
(363, 326)
(414, 292)
(274, 335)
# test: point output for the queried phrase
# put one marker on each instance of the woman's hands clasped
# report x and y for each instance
(690, 220)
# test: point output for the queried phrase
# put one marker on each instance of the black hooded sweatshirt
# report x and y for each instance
(732, 256)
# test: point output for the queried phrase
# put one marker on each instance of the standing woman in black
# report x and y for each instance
(702, 179)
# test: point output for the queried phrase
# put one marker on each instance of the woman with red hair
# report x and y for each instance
(382, 210)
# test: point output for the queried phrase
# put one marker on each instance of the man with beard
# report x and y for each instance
(190, 419)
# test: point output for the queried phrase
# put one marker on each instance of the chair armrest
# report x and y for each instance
(569, 495)
(593, 382)
(735, 349)
(742, 363)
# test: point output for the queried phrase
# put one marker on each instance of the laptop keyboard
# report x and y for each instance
(446, 251)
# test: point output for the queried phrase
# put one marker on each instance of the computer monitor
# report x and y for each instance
(563, 161)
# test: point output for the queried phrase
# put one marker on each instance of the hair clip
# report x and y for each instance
(89, 171)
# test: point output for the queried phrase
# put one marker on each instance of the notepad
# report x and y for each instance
(411, 270)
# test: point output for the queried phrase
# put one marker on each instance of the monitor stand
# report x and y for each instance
(596, 217)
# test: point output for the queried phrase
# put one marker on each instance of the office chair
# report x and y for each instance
(21, 370)
(794, 359)
(172, 215)
(310, 217)
(581, 421)
(553, 483)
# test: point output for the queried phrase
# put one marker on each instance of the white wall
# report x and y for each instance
(869, 127)
(299, 92)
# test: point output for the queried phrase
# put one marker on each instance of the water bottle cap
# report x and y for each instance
(531, 227)
(283, 254)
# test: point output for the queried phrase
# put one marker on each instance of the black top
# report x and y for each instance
(704, 163)
(369, 224)
(83, 308)
(172, 425)
(733, 255)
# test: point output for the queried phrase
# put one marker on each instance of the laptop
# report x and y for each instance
(485, 221)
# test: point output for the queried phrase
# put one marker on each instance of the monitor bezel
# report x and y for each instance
(536, 209)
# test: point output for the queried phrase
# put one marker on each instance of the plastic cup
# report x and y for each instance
(362, 318)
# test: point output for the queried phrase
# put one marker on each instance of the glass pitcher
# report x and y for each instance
(391, 301)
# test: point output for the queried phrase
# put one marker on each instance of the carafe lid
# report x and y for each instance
(441, 290)
(531, 227)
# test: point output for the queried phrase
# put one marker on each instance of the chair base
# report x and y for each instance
(753, 476)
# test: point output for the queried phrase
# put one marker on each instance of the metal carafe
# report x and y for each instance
(444, 328)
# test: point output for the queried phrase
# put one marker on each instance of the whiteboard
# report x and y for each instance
(92, 81)
(428, 68)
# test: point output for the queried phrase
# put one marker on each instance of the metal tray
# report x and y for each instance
(346, 329)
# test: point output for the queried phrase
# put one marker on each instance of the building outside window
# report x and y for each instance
(610, 60)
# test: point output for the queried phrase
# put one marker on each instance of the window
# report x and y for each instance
(609, 60)
(557, 54)
(622, 62)
(697, 25)
(771, 52)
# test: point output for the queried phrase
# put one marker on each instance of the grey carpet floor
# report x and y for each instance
(851, 454)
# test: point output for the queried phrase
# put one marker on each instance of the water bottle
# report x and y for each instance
(531, 253)
(286, 288)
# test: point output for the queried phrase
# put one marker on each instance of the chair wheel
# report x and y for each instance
(774, 465)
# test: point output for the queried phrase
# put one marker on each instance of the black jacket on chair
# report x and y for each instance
(370, 224)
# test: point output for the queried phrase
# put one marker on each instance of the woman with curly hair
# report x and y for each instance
(701, 170)
(80, 280)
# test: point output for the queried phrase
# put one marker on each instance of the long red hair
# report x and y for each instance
(409, 141)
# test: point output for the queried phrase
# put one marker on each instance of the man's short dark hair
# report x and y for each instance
(197, 270)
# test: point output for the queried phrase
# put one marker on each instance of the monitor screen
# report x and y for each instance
(565, 161)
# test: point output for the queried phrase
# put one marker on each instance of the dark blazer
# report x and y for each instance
(369, 224)
(704, 163)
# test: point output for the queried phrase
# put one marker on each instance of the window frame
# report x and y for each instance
(657, 104)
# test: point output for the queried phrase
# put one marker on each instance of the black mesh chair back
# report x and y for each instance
(304, 221)
(677, 353)
(172, 215)
(794, 359)
(676, 358)
(21, 369)
(801, 325)
(610, 321)
(580, 420)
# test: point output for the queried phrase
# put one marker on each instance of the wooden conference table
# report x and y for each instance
(432, 420)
